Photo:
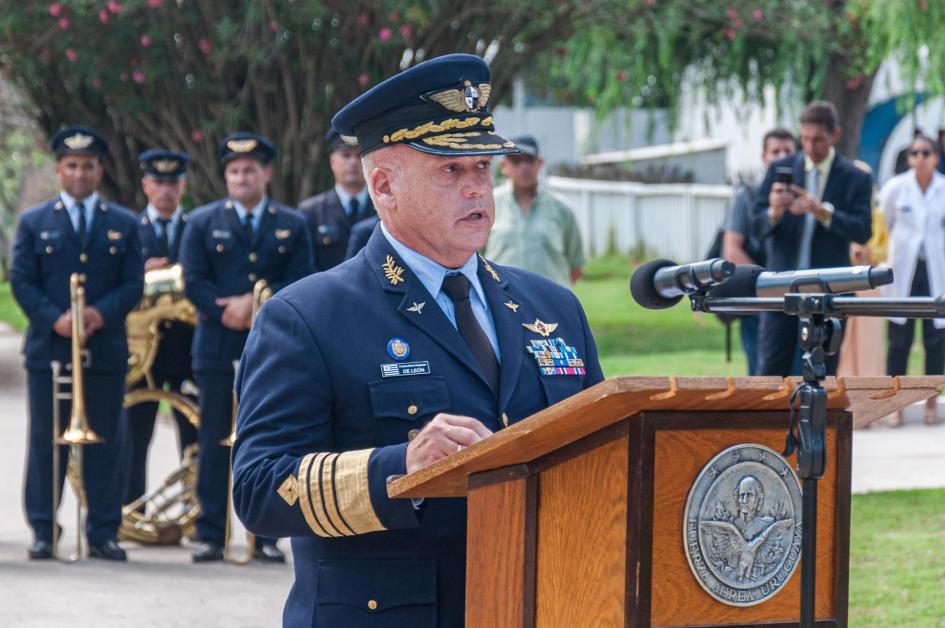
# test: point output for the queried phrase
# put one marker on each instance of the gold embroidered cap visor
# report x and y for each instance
(439, 106)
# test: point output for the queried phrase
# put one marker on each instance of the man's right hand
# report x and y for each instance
(153, 263)
(444, 435)
(63, 324)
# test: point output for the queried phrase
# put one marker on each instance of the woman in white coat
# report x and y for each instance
(913, 205)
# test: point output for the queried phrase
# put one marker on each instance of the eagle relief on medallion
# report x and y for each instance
(742, 529)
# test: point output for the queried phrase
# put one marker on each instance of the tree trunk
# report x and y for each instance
(851, 97)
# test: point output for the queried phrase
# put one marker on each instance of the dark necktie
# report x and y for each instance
(83, 224)
(165, 236)
(248, 226)
(456, 288)
(354, 208)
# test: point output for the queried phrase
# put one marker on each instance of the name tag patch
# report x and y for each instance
(221, 233)
(115, 235)
(404, 369)
(555, 357)
(49, 235)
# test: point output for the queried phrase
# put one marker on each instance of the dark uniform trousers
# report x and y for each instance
(330, 226)
(219, 261)
(46, 252)
(901, 336)
(171, 368)
(326, 410)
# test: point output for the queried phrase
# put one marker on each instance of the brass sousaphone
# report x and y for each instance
(166, 514)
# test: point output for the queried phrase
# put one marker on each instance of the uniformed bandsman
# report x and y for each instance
(227, 247)
(412, 350)
(331, 214)
(160, 228)
(77, 232)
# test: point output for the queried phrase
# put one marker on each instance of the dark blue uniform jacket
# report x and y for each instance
(321, 429)
(45, 254)
(219, 262)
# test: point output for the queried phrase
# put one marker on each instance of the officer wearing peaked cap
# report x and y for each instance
(77, 232)
(160, 230)
(227, 247)
(331, 214)
(409, 351)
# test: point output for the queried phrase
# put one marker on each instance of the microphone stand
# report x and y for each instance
(820, 334)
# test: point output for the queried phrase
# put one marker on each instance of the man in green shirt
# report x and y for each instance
(533, 228)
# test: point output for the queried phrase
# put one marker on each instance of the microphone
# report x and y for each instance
(660, 283)
(754, 281)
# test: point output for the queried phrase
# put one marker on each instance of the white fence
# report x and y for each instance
(676, 221)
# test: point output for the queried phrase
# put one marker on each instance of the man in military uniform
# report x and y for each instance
(228, 246)
(415, 348)
(77, 232)
(160, 228)
(331, 214)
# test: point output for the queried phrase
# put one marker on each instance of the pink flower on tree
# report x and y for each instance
(730, 34)
(362, 19)
(204, 45)
(71, 54)
(393, 17)
(145, 41)
(137, 76)
(363, 80)
(154, 4)
(923, 5)
(406, 31)
(55, 9)
(97, 83)
(732, 13)
(273, 25)
(384, 34)
(757, 15)
(196, 135)
(64, 23)
(114, 6)
(103, 16)
(621, 75)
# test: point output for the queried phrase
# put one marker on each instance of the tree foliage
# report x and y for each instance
(184, 73)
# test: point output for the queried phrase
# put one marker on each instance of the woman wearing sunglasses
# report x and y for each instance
(913, 205)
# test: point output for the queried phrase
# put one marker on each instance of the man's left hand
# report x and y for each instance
(237, 312)
(92, 319)
(806, 203)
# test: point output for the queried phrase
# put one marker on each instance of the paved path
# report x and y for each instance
(159, 587)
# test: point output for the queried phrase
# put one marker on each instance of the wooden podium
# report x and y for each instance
(576, 513)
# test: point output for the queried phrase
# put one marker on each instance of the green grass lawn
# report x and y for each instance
(897, 559)
(9, 311)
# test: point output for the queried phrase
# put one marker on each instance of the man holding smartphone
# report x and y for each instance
(808, 216)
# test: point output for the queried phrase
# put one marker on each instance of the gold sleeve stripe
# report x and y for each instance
(327, 497)
(333, 509)
(305, 497)
(353, 492)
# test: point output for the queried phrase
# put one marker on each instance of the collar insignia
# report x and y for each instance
(393, 272)
(512, 306)
(165, 165)
(282, 234)
(289, 490)
(469, 98)
(538, 327)
(417, 307)
(242, 146)
(78, 141)
(489, 269)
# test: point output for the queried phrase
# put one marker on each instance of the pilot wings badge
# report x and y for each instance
(742, 525)
(538, 327)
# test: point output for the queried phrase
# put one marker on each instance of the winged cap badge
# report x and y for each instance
(539, 327)
(242, 146)
(165, 165)
(78, 141)
(469, 98)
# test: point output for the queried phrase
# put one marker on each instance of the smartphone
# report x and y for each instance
(784, 174)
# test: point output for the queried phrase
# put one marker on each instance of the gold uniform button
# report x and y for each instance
(112, 250)
(412, 409)
(505, 419)
(372, 605)
(219, 248)
(49, 250)
(282, 249)
(84, 257)
(253, 257)
(252, 276)
(412, 434)
(82, 277)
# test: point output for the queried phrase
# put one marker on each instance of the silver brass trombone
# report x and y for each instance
(78, 434)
